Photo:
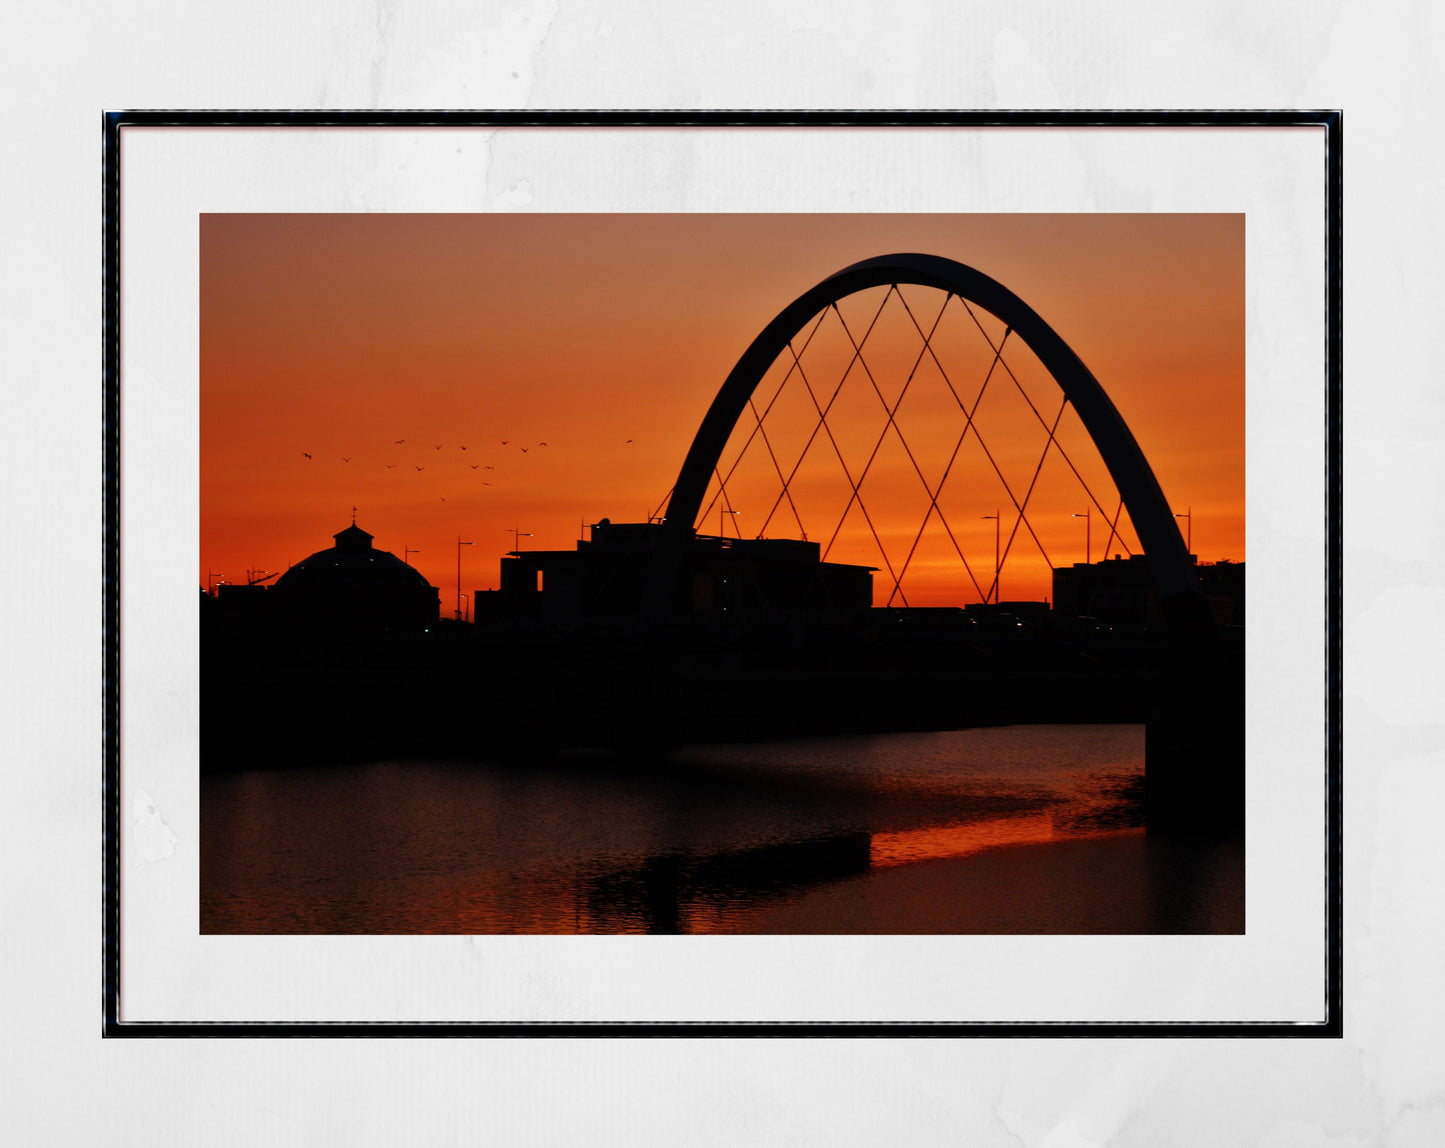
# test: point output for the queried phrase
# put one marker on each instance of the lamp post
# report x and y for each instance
(721, 532)
(460, 544)
(1087, 523)
(1188, 517)
(517, 536)
(997, 518)
(406, 550)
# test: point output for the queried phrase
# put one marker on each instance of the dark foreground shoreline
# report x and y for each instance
(466, 691)
(1126, 882)
(260, 712)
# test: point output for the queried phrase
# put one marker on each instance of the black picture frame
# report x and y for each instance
(114, 122)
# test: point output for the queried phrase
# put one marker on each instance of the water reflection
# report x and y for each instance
(944, 842)
(799, 837)
(677, 893)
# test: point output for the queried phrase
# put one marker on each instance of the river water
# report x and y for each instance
(1015, 829)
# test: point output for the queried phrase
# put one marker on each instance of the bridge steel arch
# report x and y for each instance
(1158, 532)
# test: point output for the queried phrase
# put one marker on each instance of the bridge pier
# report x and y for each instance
(1194, 735)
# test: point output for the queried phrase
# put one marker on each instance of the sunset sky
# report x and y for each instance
(335, 336)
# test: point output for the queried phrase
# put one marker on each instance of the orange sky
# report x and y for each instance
(337, 335)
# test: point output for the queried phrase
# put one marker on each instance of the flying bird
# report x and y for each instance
(345, 460)
(305, 455)
(629, 440)
(464, 448)
(486, 484)
(524, 450)
(391, 466)
(477, 466)
(400, 441)
(541, 444)
(489, 468)
(438, 446)
(504, 442)
(421, 468)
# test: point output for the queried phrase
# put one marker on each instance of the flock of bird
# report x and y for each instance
(440, 462)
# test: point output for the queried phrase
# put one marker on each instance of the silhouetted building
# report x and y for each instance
(240, 596)
(1224, 580)
(724, 579)
(1121, 591)
(353, 587)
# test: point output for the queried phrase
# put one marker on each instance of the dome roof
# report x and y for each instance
(352, 564)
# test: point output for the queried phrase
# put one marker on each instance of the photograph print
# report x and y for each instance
(722, 573)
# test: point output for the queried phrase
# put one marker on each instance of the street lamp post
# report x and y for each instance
(1087, 523)
(997, 518)
(1188, 517)
(517, 536)
(460, 544)
(407, 550)
(721, 532)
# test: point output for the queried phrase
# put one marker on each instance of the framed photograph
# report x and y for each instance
(707, 573)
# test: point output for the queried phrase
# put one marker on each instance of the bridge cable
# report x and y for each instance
(820, 425)
(1028, 494)
(1040, 418)
(890, 411)
(744, 448)
(727, 506)
(952, 458)
(934, 507)
(869, 464)
(1112, 530)
(847, 474)
(977, 434)
(777, 467)
(822, 419)
(665, 498)
(876, 446)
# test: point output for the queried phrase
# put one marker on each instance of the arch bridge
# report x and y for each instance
(1139, 491)
(1195, 731)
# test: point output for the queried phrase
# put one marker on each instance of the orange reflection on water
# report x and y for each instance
(940, 842)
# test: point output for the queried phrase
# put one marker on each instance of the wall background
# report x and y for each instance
(65, 63)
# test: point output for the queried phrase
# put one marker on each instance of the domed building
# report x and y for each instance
(354, 587)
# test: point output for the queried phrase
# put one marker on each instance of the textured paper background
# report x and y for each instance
(1380, 1085)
